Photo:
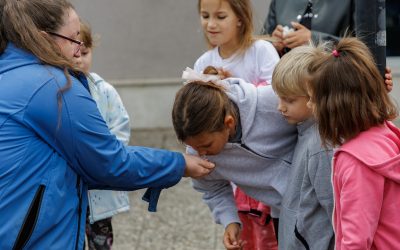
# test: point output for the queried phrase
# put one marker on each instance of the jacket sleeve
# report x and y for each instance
(78, 133)
(270, 21)
(116, 118)
(218, 195)
(317, 36)
(361, 195)
(267, 58)
(319, 169)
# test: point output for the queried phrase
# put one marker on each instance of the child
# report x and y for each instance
(307, 205)
(353, 112)
(237, 126)
(103, 204)
(228, 29)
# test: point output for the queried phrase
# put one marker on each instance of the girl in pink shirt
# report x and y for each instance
(353, 111)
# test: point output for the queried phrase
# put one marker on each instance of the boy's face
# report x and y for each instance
(208, 143)
(86, 59)
(212, 143)
(294, 108)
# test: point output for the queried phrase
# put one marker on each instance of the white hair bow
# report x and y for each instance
(191, 75)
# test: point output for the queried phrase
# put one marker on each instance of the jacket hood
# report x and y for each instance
(14, 57)
(264, 129)
(379, 149)
(244, 95)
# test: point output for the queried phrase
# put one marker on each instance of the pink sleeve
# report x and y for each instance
(360, 193)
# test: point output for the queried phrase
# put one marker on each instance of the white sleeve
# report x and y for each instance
(267, 58)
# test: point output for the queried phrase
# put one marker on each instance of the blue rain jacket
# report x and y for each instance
(50, 154)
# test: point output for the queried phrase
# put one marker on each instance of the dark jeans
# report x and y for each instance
(99, 234)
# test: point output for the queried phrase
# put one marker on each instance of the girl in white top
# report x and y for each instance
(228, 30)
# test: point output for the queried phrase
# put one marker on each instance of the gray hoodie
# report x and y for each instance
(307, 206)
(260, 163)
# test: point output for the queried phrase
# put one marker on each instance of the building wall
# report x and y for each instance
(143, 47)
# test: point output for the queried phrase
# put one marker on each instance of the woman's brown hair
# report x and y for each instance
(243, 11)
(25, 23)
(348, 92)
(201, 107)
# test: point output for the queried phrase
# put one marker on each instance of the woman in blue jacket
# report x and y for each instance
(54, 144)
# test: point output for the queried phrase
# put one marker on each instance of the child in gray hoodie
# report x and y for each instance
(238, 127)
(307, 205)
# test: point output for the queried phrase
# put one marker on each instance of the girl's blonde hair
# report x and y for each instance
(244, 12)
(348, 92)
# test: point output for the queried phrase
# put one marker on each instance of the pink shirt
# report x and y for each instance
(366, 182)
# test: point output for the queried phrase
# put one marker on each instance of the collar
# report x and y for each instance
(303, 126)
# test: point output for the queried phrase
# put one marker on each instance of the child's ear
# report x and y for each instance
(230, 122)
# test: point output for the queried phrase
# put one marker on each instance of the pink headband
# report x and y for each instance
(335, 53)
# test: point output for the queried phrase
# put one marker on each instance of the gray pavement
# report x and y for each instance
(182, 222)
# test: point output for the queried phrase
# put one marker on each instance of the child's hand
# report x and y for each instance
(388, 79)
(197, 167)
(232, 239)
(222, 73)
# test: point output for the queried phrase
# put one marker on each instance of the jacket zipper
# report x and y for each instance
(78, 187)
(242, 145)
(300, 237)
(30, 220)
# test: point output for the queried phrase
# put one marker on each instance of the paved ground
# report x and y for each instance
(181, 223)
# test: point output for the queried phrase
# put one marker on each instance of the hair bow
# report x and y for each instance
(191, 75)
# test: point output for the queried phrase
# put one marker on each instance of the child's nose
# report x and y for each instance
(211, 23)
(281, 108)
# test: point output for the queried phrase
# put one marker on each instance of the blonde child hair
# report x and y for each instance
(292, 71)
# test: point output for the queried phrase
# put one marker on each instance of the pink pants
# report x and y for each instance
(258, 227)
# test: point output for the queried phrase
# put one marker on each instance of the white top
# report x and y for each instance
(255, 65)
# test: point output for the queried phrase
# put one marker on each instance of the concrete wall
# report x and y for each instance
(144, 45)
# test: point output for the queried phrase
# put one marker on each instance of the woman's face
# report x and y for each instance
(70, 29)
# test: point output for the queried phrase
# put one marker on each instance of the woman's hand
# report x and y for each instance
(232, 239)
(197, 167)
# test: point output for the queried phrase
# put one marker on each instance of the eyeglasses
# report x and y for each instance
(79, 43)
